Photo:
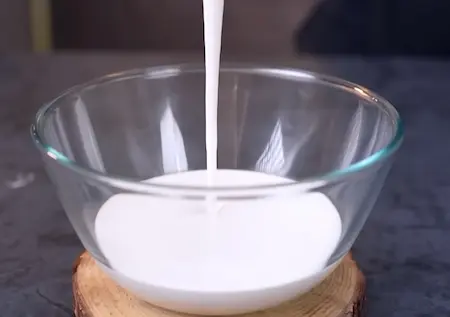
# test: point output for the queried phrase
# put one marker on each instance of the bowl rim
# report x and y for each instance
(167, 71)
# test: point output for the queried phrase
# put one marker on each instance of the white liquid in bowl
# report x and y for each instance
(258, 245)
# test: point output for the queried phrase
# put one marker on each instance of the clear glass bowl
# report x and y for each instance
(327, 135)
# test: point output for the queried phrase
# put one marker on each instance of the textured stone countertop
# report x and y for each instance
(404, 249)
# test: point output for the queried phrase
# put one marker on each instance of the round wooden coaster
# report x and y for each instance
(342, 294)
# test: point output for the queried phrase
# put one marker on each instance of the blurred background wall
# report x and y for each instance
(249, 25)
(14, 25)
(362, 27)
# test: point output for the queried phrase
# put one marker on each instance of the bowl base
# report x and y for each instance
(342, 294)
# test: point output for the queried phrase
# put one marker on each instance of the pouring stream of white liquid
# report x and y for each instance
(213, 20)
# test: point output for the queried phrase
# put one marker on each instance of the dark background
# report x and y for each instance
(362, 27)
(255, 27)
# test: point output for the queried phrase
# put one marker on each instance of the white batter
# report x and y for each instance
(258, 244)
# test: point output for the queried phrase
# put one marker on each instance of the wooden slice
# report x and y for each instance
(342, 294)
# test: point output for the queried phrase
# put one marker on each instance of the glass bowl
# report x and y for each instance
(317, 134)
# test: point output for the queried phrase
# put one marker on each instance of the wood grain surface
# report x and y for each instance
(342, 294)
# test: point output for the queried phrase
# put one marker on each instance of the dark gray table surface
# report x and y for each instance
(404, 249)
